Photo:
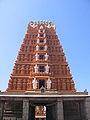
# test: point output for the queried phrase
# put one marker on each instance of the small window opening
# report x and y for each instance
(41, 69)
(41, 48)
(41, 57)
(41, 30)
(41, 83)
(41, 35)
(42, 40)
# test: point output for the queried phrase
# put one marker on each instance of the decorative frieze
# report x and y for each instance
(47, 24)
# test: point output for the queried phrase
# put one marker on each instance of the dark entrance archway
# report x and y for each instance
(50, 106)
(51, 113)
(41, 83)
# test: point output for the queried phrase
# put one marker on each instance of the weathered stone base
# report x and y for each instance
(21, 106)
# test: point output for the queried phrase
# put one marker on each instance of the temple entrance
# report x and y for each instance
(53, 110)
(41, 83)
(40, 112)
(43, 111)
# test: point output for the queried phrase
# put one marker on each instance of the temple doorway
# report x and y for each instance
(43, 111)
(40, 112)
(41, 83)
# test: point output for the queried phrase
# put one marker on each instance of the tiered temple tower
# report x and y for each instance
(41, 62)
(41, 85)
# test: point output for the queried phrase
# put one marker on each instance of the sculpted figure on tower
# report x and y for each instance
(36, 68)
(49, 83)
(34, 83)
(47, 68)
(46, 56)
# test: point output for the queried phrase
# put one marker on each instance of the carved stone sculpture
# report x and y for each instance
(34, 83)
(49, 83)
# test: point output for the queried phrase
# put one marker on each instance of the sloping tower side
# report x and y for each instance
(41, 62)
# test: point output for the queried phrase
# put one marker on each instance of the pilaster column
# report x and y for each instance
(82, 110)
(25, 110)
(60, 114)
(87, 108)
(1, 110)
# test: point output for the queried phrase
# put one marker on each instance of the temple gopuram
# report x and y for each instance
(41, 86)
